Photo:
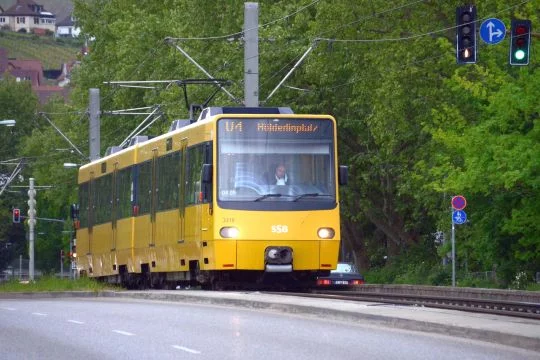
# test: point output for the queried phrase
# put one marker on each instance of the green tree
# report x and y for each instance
(414, 127)
(17, 102)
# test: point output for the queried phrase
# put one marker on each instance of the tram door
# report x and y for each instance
(114, 209)
(91, 212)
(182, 190)
(153, 199)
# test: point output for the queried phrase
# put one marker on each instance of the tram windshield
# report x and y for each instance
(276, 162)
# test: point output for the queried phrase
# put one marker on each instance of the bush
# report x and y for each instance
(440, 276)
(478, 283)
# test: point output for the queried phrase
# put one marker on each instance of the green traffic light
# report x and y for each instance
(519, 55)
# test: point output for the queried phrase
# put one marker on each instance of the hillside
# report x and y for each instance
(51, 52)
(61, 8)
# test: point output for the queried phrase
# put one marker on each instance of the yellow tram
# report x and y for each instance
(203, 204)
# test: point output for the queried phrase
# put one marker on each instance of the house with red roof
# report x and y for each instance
(32, 70)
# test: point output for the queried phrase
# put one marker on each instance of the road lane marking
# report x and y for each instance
(75, 322)
(183, 348)
(123, 332)
(39, 314)
(9, 309)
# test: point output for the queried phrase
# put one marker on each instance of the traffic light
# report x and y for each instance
(73, 251)
(16, 216)
(466, 34)
(520, 41)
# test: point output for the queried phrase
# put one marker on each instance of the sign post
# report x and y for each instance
(458, 217)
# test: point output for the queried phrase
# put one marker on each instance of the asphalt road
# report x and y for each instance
(138, 329)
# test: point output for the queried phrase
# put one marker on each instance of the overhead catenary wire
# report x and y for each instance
(234, 98)
(411, 37)
(239, 33)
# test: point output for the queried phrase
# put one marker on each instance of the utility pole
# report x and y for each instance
(62, 264)
(31, 226)
(251, 54)
(94, 124)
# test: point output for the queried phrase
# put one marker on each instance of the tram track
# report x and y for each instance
(487, 304)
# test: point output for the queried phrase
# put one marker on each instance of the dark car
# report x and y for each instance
(346, 275)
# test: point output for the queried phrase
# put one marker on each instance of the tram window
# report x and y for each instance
(123, 193)
(195, 160)
(168, 178)
(249, 170)
(144, 190)
(103, 199)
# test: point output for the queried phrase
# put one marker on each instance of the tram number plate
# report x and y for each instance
(341, 282)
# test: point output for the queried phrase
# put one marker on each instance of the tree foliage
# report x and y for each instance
(414, 127)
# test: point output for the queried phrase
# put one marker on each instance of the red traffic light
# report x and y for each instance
(16, 216)
(520, 30)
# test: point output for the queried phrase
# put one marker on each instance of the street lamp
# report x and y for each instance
(71, 165)
(7, 122)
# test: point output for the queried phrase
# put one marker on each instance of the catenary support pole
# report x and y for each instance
(251, 54)
(94, 124)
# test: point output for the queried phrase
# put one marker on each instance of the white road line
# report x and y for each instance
(75, 322)
(8, 309)
(123, 332)
(183, 348)
(39, 314)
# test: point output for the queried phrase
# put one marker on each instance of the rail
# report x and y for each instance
(523, 304)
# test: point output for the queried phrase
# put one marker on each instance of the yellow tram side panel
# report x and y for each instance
(159, 243)
(144, 231)
(124, 244)
(96, 248)
(259, 230)
(82, 250)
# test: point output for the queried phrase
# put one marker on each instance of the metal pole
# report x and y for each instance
(251, 54)
(61, 265)
(94, 125)
(71, 273)
(20, 266)
(453, 251)
(31, 225)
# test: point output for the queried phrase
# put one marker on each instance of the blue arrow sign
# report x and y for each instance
(492, 31)
(459, 217)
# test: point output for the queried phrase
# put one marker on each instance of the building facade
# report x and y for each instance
(29, 17)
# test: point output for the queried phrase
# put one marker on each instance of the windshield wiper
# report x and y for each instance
(266, 196)
(309, 194)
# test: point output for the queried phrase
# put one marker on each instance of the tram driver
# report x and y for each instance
(281, 177)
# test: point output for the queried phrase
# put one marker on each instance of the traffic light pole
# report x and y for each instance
(31, 226)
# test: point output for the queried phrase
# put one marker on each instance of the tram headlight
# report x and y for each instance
(229, 232)
(326, 233)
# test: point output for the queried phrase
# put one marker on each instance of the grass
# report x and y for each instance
(51, 52)
(51, 283)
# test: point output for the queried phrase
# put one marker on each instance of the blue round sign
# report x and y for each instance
(492, 31)
(459, 217)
